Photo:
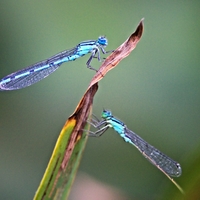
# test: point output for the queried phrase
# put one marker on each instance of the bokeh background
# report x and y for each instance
(155, 91)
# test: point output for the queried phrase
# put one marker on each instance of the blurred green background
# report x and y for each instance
(155, 91)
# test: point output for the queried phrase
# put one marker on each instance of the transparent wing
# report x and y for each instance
(34, 73)
(157, 158)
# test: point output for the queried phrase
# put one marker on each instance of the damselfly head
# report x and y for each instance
(102, 40)
(106, 113)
